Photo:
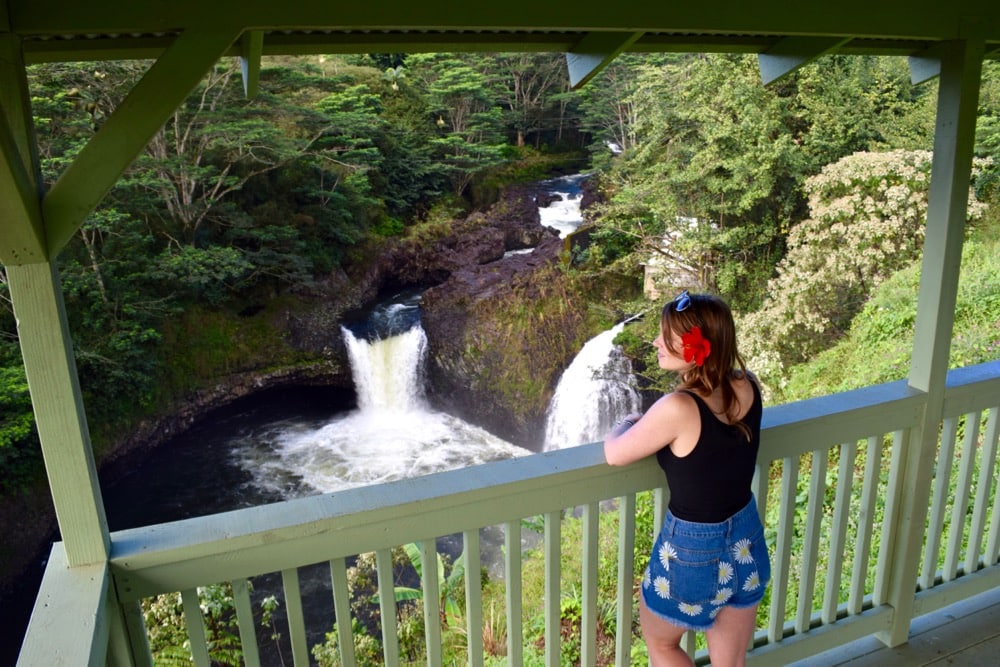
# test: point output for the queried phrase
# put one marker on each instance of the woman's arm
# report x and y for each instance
(662, 424)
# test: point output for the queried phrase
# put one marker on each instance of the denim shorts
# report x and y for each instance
(696, 569)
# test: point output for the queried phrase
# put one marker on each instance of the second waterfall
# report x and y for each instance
(594, 392)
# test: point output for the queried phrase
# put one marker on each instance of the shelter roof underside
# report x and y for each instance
(67, 30)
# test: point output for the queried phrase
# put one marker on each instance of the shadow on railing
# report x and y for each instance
(832, 483)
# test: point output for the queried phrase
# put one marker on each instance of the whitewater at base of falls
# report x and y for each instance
(563, 215)
(369, 447)
(391, 436)
(593, 394)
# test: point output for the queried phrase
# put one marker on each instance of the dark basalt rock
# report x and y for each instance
(457, 316)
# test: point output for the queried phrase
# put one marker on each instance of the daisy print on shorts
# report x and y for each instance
(689, 609)
(725, 572)
(741, 552)
(722, 597)
(662, 587)
(666, 553)
(647, 579)
(752, 583)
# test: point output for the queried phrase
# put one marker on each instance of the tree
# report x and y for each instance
(867, 222)
(469, 138)
(988, 133)
(208, 150)
(608, 105)
(530, 82)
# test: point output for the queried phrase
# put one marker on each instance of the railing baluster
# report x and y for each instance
(866, 525)
(591, 560)
(759, 488)
(688, 643)
(195, 627)
(983, 487)
(244, 616)
(626, 573)
(553, 570)
(838, 537)
(387, 607)
(342, 611)
(661, 498)
(963, 489)
(296, 618)
(939, 504)
(986, 486)
(783, 549)
(473, 597)
(135, 627)
(810, 551)
(432, 600)
(512, 569)
(893, 494)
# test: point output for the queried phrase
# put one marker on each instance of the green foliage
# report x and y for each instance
(879, 344)
(167, 633)
(714, 164)
(202, 273)
(449, 586)
(19, 452)
(867, 221)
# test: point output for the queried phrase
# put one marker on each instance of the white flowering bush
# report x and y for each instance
(867, 221)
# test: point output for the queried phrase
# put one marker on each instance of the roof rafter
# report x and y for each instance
(251, 48)
(792, 53)
(127, 131)
(595, 52)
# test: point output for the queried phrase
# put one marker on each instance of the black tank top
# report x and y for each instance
(712, 483)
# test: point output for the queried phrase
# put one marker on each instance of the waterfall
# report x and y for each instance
(392, 435)
(388, 373)
(563, 215)
(593, 393)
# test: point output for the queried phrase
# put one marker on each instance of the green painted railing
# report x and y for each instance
(833, 483)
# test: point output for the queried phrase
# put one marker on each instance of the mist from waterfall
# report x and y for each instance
(594, 393)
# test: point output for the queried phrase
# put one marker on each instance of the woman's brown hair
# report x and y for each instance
(713, 316)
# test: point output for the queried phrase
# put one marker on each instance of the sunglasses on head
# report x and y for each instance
(681, 302)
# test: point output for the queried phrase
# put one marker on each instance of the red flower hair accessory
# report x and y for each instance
(696, 348)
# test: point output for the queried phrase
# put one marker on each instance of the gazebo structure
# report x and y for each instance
(88, 608)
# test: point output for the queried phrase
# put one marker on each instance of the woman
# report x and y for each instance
(709, 566)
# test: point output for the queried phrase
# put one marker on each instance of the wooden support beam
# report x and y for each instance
(947, 210)
(251, 49)
(595, 52)
(792, 53)
(22, 236)
(127, 131)
(62, 425)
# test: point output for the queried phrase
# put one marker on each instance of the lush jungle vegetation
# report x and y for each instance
(802, 203)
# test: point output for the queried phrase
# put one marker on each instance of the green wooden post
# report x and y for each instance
(43, 333)
(954, 136)
(22, 238)
(62, 425)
